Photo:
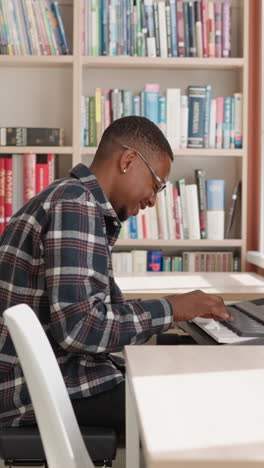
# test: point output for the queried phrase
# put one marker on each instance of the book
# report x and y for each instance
(154, 260)
(8, 188)
(31, 136)
(200, 182)
(2, 193)
(226, 20)
(192, 211)
(197, 95)
(233, 207)
(215, 197)
(29, 176)
(18, 182)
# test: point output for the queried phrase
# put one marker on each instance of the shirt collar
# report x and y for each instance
(88, 179)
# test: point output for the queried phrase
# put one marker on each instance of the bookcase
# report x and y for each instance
(47, 91)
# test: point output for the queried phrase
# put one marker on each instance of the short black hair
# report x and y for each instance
(137, 132)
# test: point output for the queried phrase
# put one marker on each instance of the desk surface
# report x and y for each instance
(231, 286)
(199, 405)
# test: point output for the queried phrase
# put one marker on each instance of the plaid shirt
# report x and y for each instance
(55, 255)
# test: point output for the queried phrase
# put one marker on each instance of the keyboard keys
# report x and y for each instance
(243, 325)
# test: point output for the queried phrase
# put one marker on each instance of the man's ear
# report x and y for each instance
(128, 160)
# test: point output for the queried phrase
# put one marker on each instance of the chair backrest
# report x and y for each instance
(59, 430)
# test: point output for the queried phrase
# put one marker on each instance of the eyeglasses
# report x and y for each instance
(161, 184)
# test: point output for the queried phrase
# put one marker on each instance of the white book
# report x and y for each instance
(174, 117)
(192, 209)
(215, 224)
(170, 217)
(139, 225)
(139, 261)
(179, 209)
(126, 262)
(152, 222)
(184, 120)
(212, 135)
(18, 182)
(163, 214)
(162, 29)
(115, 262)
(151, 47)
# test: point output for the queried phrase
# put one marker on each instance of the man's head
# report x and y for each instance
(132, 163)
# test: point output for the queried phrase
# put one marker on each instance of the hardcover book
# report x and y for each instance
(31, 136)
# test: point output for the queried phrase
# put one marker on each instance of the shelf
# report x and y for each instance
(159, 62)
(227, 243)
(36, 149)
(188, 152)
(35, 60)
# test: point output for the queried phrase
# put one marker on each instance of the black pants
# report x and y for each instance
(106, 409)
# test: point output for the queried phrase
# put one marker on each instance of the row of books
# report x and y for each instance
(29, 27)
(21, 177)
(153, 28)
(187, 211)
(140, 261)
(31, 136)
(191, 120)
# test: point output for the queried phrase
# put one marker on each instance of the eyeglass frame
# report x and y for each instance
(161, 182)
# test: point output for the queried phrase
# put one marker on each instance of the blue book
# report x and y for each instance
(215, 194)
(25, 18)
(227, 122)
(105, 28)
(196, 99)
(232, 130)
(207, 115)
(127, 102)
(133, 234)
(162, 114)
(154, 261)
(61, 31)
(136, 105)
(128, 27)
(186, 28)
(192, 32)
(174, 32)
(151, 104)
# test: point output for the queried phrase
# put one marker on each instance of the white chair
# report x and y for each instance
(61, 437)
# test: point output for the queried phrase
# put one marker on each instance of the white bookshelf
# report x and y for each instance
(46, 91)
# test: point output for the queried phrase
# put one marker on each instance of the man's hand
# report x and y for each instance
(198, 304)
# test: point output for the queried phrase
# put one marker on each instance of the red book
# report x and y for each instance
(42, 172)
(29, 176)
(2, 193)
(180, 30)
(8, 188)
(177, 214)
(144, 226)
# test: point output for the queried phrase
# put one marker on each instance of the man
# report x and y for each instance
(55, 255)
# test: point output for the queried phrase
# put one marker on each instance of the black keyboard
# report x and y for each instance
(248, 318)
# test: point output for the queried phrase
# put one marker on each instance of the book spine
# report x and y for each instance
(139, 37)
(198, 27)
(168, 27)
(182, 193)
(151, 41)
(215, 198)
(226, 17)
(204, 27)
(51, 168)
(200, 182)
(219, 121)
(29, 176)
(232, 131)
(174, 117)
(231, 212)
(42, 179)
(192, 211)
(157, 31)
(133, 227)
(238, 120)
(192, 34)
(151, 97)
(180, 28)
(162, 114)
(218, 29)
(173, 21)
(184, 120)
(196, 116)
(63, 38)
(186, 29)
(227, 122)
(92, 122)
(213, 124)
(207, 116)
(8, 188)
(98, 113)
(162, 29)
(127, 102)
(211, 29)
(136, 105)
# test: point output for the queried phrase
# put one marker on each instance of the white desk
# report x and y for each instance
(195, 406)
(231, 286)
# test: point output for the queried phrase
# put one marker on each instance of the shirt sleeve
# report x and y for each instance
(88, 314)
